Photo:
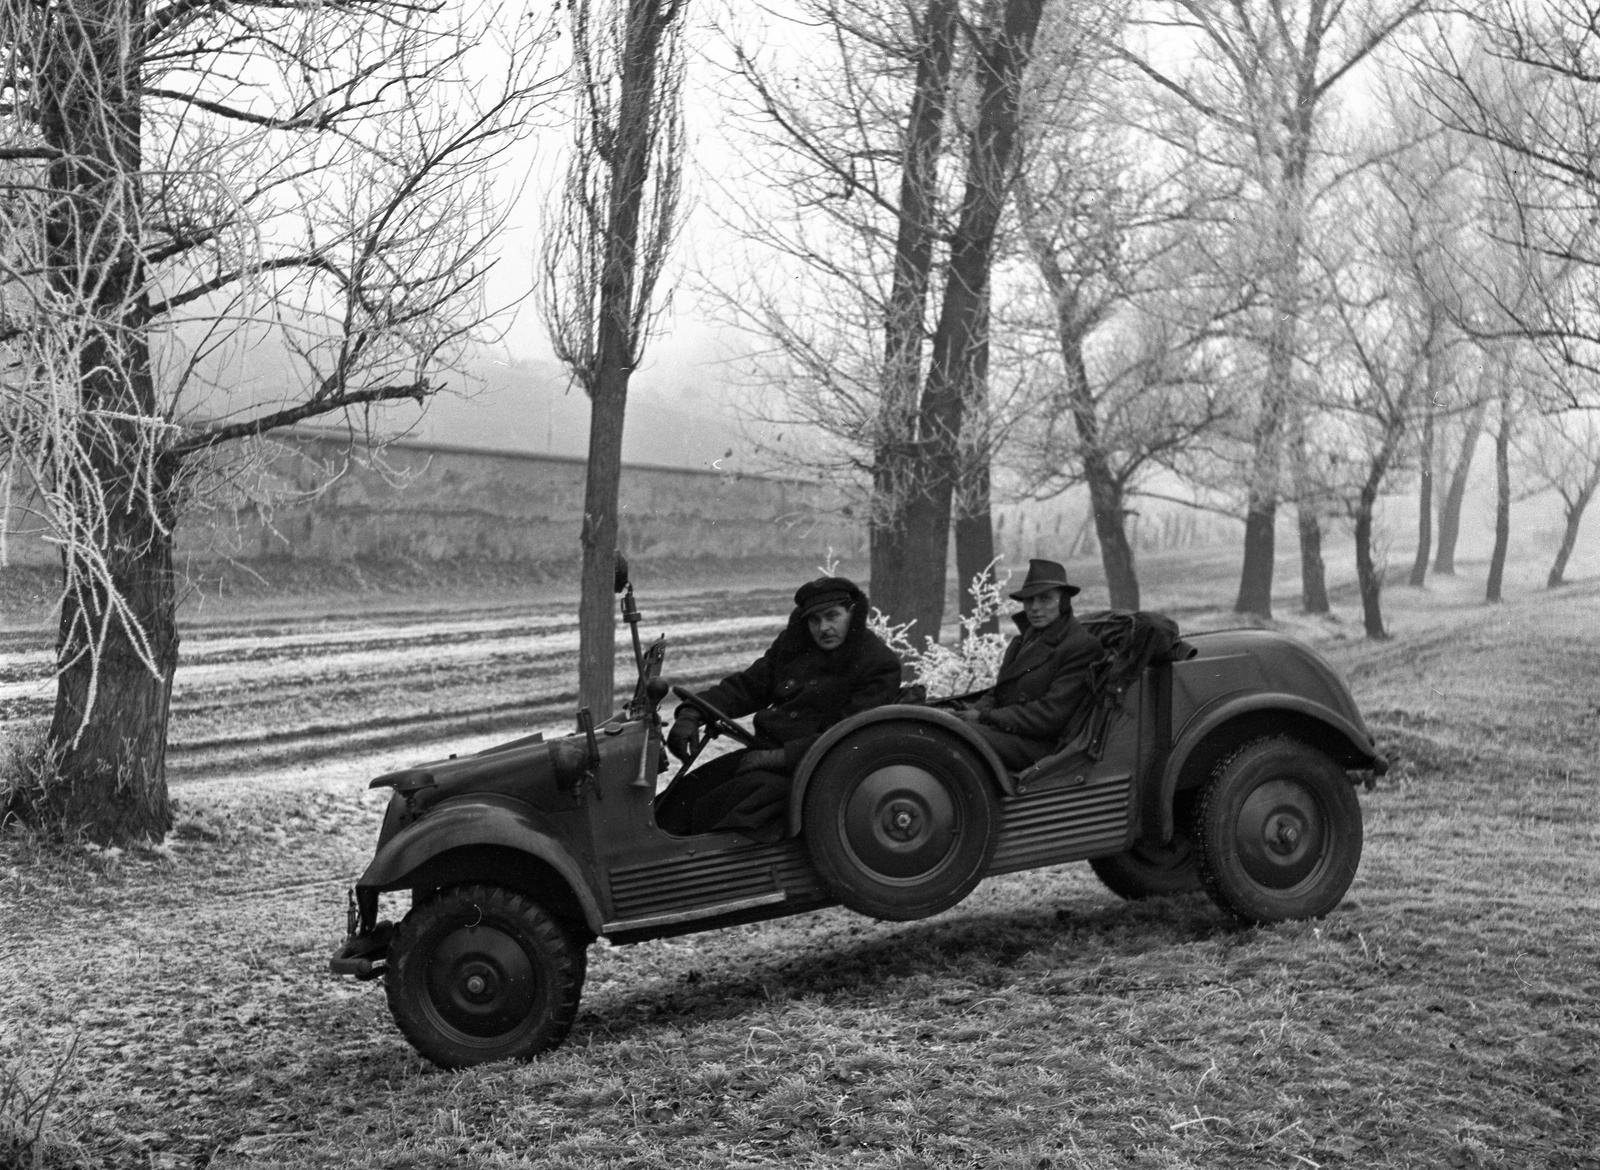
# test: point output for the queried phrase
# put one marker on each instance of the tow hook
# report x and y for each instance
(364, 955)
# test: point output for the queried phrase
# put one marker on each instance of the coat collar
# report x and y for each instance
(1025, 653)
(1051, 635)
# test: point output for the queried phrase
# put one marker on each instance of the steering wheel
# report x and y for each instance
(716, 722)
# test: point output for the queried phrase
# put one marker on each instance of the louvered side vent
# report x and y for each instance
(1062, 824)
(711, 879)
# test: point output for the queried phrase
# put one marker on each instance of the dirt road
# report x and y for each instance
(256, 692)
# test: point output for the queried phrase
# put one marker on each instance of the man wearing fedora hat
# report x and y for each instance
(825, 666)
(1044, 676)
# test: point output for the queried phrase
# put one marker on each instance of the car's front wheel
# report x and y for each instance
(479, 973)
(901, 820)
(1279, 831)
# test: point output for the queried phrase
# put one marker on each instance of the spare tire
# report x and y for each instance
(901, 820)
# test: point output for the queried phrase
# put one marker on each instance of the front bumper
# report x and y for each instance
(365, 952)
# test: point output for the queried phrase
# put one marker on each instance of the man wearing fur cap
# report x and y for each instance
(824, 667)
(1044, 676)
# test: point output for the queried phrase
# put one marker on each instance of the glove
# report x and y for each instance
(682, 736)
(762, 760)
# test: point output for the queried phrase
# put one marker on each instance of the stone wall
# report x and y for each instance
(427, 502)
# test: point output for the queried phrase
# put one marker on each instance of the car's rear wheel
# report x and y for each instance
(901, 820)
(1151, 871)
(1279, 831)
(479, 973)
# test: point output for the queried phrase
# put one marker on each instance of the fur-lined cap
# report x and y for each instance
(816, 596)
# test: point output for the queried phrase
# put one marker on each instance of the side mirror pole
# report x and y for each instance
(630, 614)
(592, 750)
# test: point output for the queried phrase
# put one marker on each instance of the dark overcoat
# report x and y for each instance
(1042, 682)
(797, 690)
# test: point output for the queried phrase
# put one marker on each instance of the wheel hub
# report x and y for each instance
(899, 822)
(1281, 834)
(902, 820)
(480, 981)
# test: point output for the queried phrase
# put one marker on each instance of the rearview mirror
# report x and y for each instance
(619, 579)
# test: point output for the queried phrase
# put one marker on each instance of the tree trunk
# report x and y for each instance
(1116, 553)
(618, 345)
(975, 541)
(1569, 535)
(1368, 579)
(1106, 502)
(895, 450)
(1419, 566)
(1502, 511)
(1366, 572)
(597, 612)
(1001, 58)
(975, 518)
(108, 729)
(1261, 510)
(113, 762)
(1444, 560)
(1260, 550)
(1313, 573)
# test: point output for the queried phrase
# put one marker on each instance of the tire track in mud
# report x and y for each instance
(252, 694)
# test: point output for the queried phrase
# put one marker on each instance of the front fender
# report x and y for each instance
(478, 821)
(911, 714)
(1304, 718)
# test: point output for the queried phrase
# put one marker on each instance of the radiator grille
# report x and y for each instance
(1063, 824)
(682, 883)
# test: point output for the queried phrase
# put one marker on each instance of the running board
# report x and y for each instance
(713, 911)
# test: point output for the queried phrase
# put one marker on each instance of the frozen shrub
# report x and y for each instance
(971, 664)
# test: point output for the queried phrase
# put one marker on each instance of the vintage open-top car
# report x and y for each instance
(1229, 766)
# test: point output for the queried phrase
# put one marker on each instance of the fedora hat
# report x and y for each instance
(1044, 575)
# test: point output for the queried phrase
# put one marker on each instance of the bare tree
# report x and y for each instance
(848, 142)
(1107, 216)
(1393, 334)
(1509, 401)
(918, 215)
(1131, 389)
(1260, 85)
(182, 183)
(609, 235)
(863, 154)
(1561, 452)
(1524, 82)
(1002, 47)
(1471, 422)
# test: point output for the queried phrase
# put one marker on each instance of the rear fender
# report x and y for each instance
(491, 834)
(904, 714)
(1232, 721)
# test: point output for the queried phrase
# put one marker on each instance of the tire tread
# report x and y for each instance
(554, 937)
(1211, 865)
